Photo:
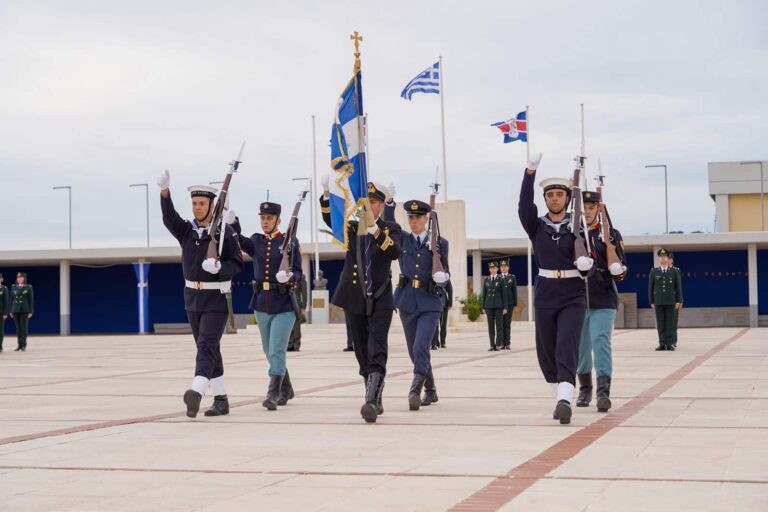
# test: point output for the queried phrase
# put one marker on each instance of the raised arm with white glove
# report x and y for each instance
(616, 269)
(164, 180)
(230, 217)
(440, 277)
(212, 265)
(534, 161)
(283, 276)
(584, 263)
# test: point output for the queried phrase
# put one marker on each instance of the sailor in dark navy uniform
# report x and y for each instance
(365, 293)
(206, 282)
(273, 301)
(560, 299)
(417, 299)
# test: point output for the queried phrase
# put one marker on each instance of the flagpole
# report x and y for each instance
(530, 264)
(442, 125)
(315, 234)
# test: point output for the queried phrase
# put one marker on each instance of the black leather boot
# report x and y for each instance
(370, 409)
(414, 395)
(563, 412)
(192, 399)
(220, 406)
(603, 394)
(430, 391)
(585, 390)
(273, 392)
(286, 390)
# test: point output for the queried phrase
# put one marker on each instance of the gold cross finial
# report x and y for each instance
(356, 37)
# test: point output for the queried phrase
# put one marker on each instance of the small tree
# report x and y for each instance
(472, 306)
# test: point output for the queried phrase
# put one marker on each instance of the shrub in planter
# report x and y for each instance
(472, 306)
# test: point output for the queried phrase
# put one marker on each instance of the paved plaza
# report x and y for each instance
(96, 423)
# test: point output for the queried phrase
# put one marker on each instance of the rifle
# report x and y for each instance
(216, 227)
(286, 264)
(434, 227)
(606, 225)
(581, 247)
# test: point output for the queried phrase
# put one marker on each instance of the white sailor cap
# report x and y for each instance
(558, 183)
(202, 191)
(379, 191)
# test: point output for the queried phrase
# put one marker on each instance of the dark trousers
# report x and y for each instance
(558, 333)
(350, 341)
(22, 328)
(419, 328)
(508, 327)
(675, 317)
(370, 338)
(440, 330)
(2, 330)
(495, 326)
(294, 341)
(207, 329)
(666, 324)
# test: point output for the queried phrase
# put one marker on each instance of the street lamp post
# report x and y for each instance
(146, 189)
(69, 193)
(762, 194)
(666, 197)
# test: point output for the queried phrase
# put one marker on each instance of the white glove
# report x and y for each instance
(440, 277)
(212, 265)
(373, 229)
(584, 263)
(325, 182)
(616, 269)
(283, 276)
(392, 190)
(164, 181)
(230, 217)
(534, 161)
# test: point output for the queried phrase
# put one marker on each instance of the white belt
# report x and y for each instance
(222, 286)
(559, 274)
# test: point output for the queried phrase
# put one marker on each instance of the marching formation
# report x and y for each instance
(578, 252)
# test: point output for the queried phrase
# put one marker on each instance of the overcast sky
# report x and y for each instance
(99, 95)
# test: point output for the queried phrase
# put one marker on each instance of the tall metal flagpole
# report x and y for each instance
(314, 214)
(441, 75)
(530, 263)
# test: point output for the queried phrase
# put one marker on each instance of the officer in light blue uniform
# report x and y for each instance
(417, 299)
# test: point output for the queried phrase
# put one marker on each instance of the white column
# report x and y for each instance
(722, 215)
(64, 298)
(752, 269)
(477, 271)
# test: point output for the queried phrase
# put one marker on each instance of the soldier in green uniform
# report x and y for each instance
(493, 300)
(676, 312)
(665, 294)
(510, 285)
(5, 309)
(438, 339)
(294, 342)
(22, 307)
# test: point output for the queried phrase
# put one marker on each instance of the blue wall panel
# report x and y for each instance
(45, 282)
(762, 282)
(104, 299)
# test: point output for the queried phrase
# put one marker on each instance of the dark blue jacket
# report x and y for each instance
(193, 253)
(553, 249)
(603, 293)
(265, 251)
(418, 263)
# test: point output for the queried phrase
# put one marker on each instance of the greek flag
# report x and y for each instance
(427, 81)
(349, 178)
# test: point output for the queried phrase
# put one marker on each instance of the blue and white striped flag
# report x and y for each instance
(428, 81)
(349, 179)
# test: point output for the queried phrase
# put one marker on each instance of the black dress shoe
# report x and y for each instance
(290, 349)
(442, 345)
(17, 349)
(661, 347)
(507, 347)
(192, 399)
(669, 347)
(220, 406)
(433, 347)
(348, 349)
(24, 349)
(493, 349)
(563, 412)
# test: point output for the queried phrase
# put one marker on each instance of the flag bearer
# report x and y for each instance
(207, 280)
(369, 315)
(417, 299)
(603, 302)
(560, 300)
(272, 299)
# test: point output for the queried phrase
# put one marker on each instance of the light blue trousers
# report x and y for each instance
(275, 330)
(596, 337)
